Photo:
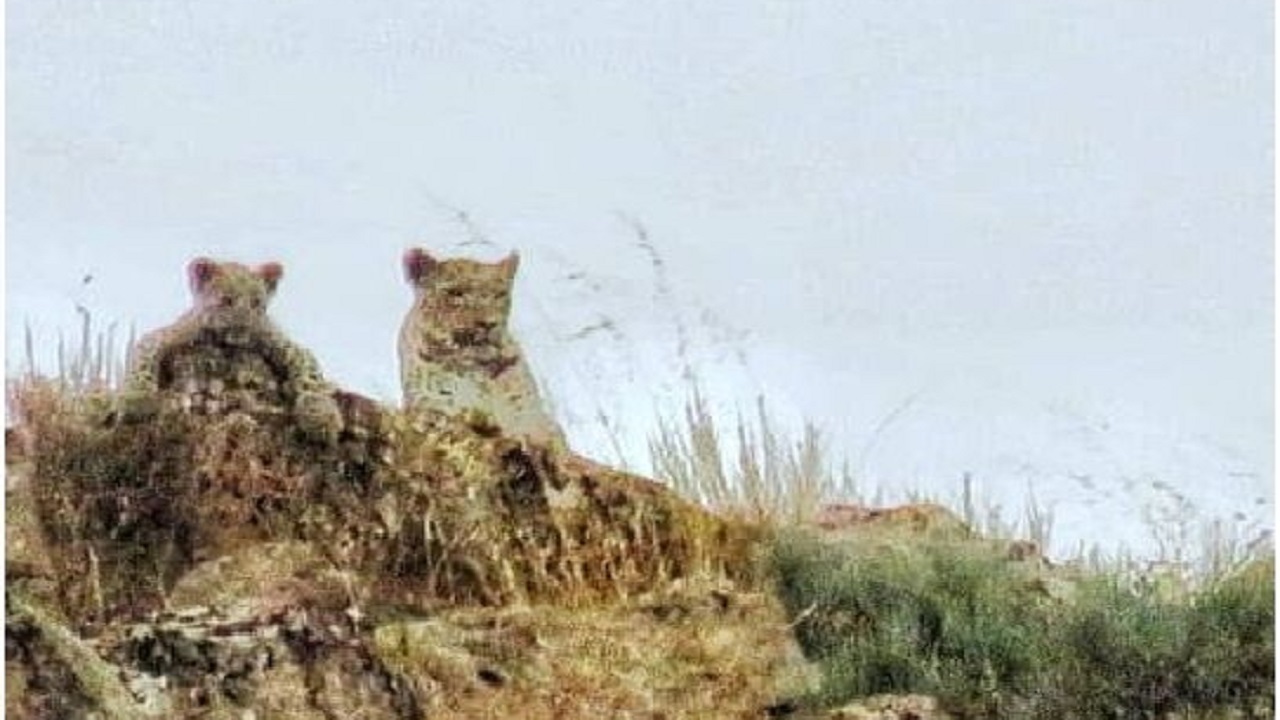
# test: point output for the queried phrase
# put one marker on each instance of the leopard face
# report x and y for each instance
(231, 299)
(462, 303)
(457, 355)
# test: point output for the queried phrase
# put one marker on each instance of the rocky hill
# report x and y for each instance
(194, 561)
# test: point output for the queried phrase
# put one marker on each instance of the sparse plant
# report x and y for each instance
(772, 479)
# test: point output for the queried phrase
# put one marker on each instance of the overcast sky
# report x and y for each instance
(1001, 208)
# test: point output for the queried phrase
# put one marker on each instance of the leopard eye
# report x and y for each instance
(226, 301)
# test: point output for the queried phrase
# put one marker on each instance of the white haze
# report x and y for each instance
(1027, 241)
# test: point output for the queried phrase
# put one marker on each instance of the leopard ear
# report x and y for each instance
(199, 272)
(510, 264)
(418, 263)
(271, 273)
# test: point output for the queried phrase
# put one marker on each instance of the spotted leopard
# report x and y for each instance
(457, 355)
(225, 354)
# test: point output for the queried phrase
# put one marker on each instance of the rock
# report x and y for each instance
(891, 707)
(919, 522)
(262, 579)
(611, 660)
(296, 663)
(918, 518)
(55, 673)
(504, 521)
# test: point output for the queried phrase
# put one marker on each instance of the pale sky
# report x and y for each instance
(999, 208)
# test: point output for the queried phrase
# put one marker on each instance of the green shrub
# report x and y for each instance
(1132, 649)
(1231, 635)
(927, 618)
(959, 622)
(1122, 650)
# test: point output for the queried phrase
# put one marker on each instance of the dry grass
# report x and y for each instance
(451, 515)
(95, 361)
(436, 510)
(759, 474)
(519, 526)
(693, 649)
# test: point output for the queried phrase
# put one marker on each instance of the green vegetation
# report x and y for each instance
(953, 615)
(986, 637)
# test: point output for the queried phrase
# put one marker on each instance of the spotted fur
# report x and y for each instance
(225, 353)
(457, 354)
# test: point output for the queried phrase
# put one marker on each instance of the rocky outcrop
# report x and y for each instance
(891, 707)
(218, 565)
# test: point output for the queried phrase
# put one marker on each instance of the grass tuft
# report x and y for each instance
(771, 479)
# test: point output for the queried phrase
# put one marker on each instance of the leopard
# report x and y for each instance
(226, 355)
(458, 355)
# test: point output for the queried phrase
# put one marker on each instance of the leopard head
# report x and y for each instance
(468, 298)
(230, 296)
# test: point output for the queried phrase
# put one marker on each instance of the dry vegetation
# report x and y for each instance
(220, 562)
(430, 567)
